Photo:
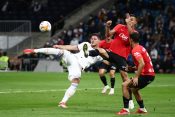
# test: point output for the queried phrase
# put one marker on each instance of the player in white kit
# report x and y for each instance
(75, 62)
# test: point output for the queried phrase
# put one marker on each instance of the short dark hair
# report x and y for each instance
(95, 34)
(135, 36)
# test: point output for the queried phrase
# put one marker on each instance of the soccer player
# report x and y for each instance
(120, 47)
(103, 68)
(75, 62)
(144, 75)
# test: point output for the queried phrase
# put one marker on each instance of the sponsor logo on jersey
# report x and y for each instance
(123, 36)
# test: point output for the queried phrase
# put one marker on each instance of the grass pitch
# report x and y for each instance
(31, 94)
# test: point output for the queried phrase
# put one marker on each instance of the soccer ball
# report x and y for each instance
(45, 26)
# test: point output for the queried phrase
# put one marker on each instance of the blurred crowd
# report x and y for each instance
(39, 10)
(156, 24)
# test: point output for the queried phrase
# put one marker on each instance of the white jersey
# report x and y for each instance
(83, 61)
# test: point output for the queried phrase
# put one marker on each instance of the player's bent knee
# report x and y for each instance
(124, 84)
(76, 80)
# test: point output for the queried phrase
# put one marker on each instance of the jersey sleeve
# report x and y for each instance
(117, 27)
(137, 54)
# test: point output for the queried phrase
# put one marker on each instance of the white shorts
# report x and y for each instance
(73, 66)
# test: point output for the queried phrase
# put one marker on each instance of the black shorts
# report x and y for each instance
(102, 65)
(144, 80)
(119, 61)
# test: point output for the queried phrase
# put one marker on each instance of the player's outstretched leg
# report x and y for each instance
(44, 50)
(28, 51)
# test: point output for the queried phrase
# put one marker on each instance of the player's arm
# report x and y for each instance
(108, 32)
(67, 47)
(140, 67)
(138, 72)
(129, 24)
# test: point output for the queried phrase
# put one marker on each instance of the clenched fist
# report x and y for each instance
(108, 23)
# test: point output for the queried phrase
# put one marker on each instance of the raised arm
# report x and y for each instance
(108, 32)
(67, 47)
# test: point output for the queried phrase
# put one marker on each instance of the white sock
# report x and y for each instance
(70, 92)
(49, 51)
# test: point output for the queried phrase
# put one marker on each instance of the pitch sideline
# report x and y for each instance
(59, 90)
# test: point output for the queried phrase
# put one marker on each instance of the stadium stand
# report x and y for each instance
(156, 25)
(37, 10)
(156, 19)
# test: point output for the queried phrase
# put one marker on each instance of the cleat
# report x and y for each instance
(141, 111)
(105, 89)
(85, 50)
(62, 105)
(111, 92)
(131, 104)
(28, 51)
(123, 112)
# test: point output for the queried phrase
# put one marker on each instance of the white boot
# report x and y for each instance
(131, 104)
(105, 89)
(111, 92)
(62, 105)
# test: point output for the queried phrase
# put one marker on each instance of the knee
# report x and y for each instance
(112, 75)
(124, 76)
(76, 80)
(124, 85)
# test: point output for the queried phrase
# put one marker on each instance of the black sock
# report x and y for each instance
(112, 82)
(130, 94)
(141, 104)
(103, 79)
(94, 53)
(125, 102)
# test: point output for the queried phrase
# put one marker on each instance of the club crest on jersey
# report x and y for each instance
(123, 36)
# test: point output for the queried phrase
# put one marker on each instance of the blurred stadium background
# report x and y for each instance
(73, 20)
(36, 94)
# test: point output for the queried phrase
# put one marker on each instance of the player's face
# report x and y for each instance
(94, 40)
(133, 20)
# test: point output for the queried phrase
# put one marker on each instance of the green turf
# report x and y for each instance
(30, 94)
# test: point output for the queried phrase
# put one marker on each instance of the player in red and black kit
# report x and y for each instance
(120, 47)
(103, 68)
(144, 75)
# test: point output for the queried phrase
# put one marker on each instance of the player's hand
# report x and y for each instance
(108, 23)
(127, 16)
(131, 68)
(135, 81)
(56, 46)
